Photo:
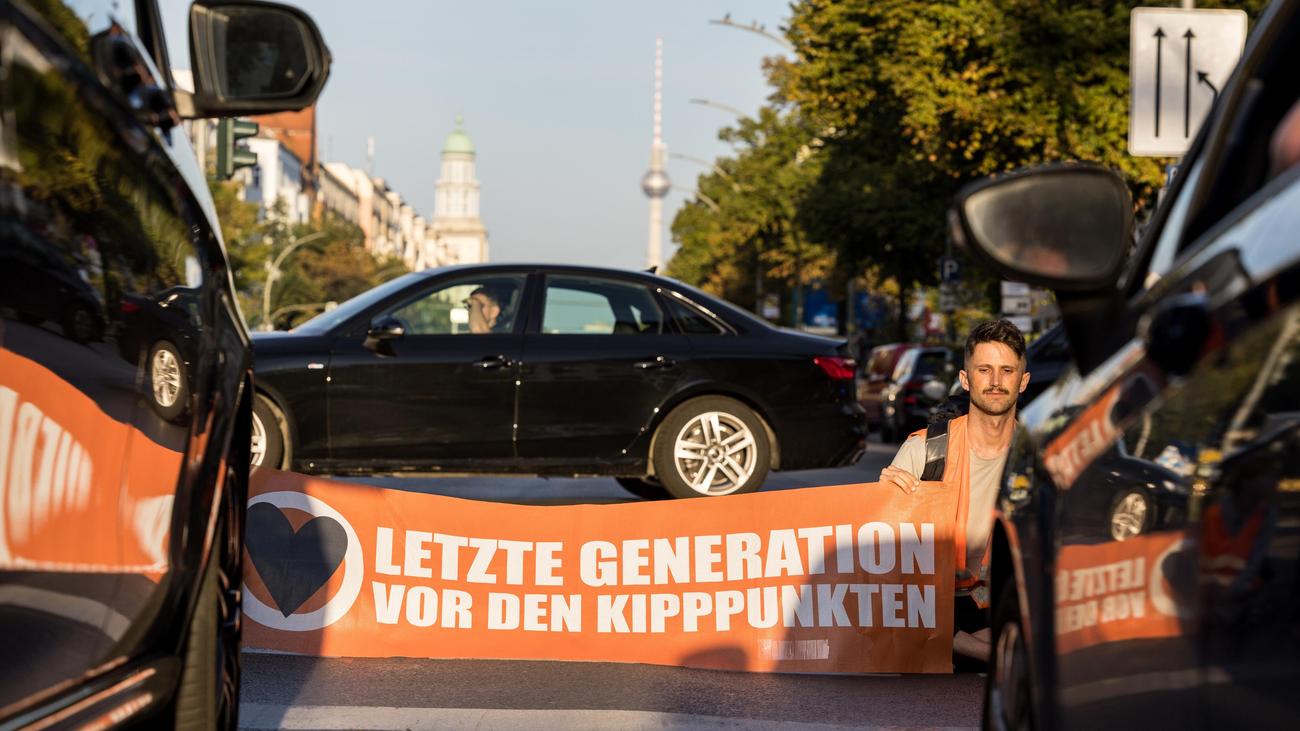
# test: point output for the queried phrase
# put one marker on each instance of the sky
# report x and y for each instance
(556, 96)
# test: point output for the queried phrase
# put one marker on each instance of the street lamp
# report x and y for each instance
(754, 27)
(712, 204)
(735, 185)
(273, 273)
(719, 105)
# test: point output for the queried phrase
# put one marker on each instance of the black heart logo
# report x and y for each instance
(293, 565)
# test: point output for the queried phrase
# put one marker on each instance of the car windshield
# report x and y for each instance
(330, 319)
(929, 363)
(714, 304)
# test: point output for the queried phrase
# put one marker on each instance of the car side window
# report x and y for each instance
(904, 365)
(1249, 152)
(95, 15)
(1244, 393)
(593, 306)
(478, 306)
(691, 321)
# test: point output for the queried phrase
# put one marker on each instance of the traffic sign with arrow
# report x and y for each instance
(1207, 43)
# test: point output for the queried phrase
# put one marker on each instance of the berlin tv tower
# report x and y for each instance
(656, 183)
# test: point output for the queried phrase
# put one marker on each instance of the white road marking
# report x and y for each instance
(259, 716)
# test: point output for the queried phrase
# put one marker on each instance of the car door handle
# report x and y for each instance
(492, 361)
(657, 362)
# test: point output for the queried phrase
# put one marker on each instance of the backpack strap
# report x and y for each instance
(936, 450)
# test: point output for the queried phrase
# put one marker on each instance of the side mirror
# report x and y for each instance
(1065, 227)
(253, 58)
(384, 329)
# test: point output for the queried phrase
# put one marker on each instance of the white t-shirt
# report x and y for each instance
(984, 476)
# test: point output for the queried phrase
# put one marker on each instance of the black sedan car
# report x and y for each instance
(1186, 351)
(123, 472)
(553, 370)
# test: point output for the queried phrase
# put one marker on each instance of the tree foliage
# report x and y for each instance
(910, 100)
(332, 267)
(741, 235)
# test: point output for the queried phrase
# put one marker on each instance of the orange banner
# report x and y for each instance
(79, 490)
(845, 579)
(1116, 591)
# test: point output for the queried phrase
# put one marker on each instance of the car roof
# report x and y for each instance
(734, 315)
(643, 275)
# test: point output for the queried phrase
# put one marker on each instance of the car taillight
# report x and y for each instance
(839, 369)
(130, 307)
(909, 400)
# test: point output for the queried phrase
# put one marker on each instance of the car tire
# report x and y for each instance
(1008, 695)
(731, 461)
(207, 696)
(268, 446)
(1129, 516)
(168, 381)
(646, 489)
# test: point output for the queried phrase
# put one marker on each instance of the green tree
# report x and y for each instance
(742, 236)
(333, 267)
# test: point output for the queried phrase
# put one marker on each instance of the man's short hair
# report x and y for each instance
(996, 331)
(494, 293)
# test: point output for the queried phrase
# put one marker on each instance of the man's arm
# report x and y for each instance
(907, 464)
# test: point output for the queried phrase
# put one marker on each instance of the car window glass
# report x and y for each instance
(930, 363)
(1052, 346)
(1250, 388)
(904, 365)
(716, 305)
(879, 366)
(589, 306)
(692, 321)
(1171, 234)
(1243, 157)
(478, 306)
(95, 15)
(329, 319)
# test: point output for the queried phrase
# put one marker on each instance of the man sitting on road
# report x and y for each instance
(977, 446)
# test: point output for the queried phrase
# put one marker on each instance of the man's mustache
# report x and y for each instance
(996, 391)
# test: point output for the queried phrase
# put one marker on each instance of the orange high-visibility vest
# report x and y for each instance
(972, 580)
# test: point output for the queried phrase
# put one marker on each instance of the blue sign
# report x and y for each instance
(818, 309)
(949, 269)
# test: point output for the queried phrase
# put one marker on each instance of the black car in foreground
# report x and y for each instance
(1185, 386)
(126, 393)
(553, 370)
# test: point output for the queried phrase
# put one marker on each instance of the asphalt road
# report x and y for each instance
(281, 691)
(307, 693)
(569, 490)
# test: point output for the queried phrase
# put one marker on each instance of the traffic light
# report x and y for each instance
(231, 155)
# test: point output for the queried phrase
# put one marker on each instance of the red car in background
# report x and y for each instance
(877, 369)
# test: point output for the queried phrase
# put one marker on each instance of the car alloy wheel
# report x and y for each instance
(257, 443)
(715, 453)
(165, 377)
(1129, 516)
(268, 444)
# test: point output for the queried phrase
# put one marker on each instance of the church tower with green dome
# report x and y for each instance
(457, 230)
